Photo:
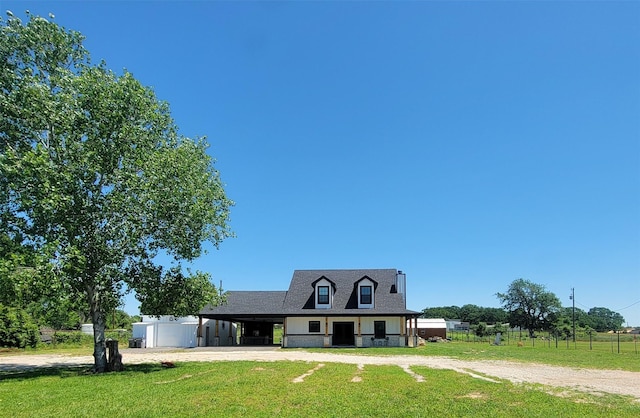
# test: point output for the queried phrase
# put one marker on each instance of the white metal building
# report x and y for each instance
(170, 331)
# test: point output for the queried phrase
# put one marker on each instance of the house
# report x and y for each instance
(323, 308)
(431, 327)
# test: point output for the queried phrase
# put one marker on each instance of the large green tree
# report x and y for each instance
(530, 305)
(604, 319)
(97, 179)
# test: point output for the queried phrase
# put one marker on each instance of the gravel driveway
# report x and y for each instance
(586, 380)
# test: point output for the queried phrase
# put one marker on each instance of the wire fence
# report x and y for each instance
(602, 342)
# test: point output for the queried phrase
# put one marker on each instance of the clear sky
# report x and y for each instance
(468, 144)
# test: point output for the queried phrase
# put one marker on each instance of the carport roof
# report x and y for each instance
(243, 303)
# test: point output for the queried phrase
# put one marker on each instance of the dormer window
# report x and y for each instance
(323, 295)
(324, 290)
(365, 295)
(366, 292)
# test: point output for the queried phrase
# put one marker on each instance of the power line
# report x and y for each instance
(634, 303)
(615, 310)
(584, 306)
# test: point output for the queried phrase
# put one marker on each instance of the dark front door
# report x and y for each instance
(343, 333)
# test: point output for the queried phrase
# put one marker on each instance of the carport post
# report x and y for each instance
(410, 332)
(199, 330)
(284, 333)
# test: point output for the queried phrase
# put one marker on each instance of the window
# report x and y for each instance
(365, 295)
(380, 329)
(323, 295)
(314, 326)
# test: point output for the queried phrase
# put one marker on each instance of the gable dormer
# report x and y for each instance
(323, 289)
(366, 292)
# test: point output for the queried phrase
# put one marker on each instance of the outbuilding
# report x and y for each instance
(170, 331)
(431, 328)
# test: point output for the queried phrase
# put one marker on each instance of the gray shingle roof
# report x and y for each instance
(300, 296)
(299, 299)
(249, 303)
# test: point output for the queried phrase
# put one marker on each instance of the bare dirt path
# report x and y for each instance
(586, 380)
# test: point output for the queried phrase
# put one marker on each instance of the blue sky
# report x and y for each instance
(466, 143)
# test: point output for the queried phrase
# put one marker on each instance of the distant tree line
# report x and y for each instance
(473, 314)
(529, 306)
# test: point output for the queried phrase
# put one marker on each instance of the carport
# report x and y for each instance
(255, 312)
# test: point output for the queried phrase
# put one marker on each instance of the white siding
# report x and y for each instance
(393, 324)
(298, 335)
(300, 325)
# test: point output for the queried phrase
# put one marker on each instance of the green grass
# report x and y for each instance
(579, 356)
(267, 389)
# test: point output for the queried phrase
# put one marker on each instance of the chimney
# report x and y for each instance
(401, 285)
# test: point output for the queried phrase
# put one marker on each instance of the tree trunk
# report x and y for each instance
(99, 325)
(99, 348)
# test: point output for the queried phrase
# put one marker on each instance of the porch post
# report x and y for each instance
(326, 342)
(199, 339)
(359, 338)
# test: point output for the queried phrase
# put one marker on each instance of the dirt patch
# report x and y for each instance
(300, 379)
(473, 395)
(358, 378)
(585, 380)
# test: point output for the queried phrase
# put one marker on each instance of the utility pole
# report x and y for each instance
(573, 313)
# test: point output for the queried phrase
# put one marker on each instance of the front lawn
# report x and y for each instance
(267, 389)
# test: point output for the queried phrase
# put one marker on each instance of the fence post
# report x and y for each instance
(611, 339)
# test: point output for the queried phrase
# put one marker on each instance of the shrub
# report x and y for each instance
(17, 329)
(72, 338)
(121, 335)
(81, 339)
